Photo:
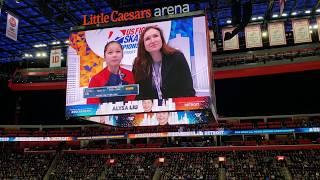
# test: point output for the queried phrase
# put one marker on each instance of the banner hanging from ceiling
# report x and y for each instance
(12, 27)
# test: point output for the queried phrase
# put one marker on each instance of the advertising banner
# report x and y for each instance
(12, 27)
(154, 119)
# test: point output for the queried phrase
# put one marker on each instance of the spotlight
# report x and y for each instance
(318, 10)
(284, 14)
(275, 15)
(307, 12)
(260, 17)
(229, 21)
(67, 42)
(38, 54)
(315, 26)
(254, 18)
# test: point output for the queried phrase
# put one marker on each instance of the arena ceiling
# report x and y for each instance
(47, 22)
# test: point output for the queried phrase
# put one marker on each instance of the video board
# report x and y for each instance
(185, 76)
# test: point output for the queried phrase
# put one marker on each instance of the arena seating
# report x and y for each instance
(131, 166)
(304, 164)
(192, 165)
(75, 166)
(24, 165)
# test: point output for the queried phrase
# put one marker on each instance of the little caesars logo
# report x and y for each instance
(116, 16)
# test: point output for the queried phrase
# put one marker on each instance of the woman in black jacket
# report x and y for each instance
(161, 71)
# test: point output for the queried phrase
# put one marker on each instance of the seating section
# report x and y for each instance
(77, 166)
(24, 165)
(304, 164)
(192, 164)
(253, 165)
(131, 166)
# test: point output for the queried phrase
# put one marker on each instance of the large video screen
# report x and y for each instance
(168, 70)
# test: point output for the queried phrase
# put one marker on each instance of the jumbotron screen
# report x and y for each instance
(100, 84)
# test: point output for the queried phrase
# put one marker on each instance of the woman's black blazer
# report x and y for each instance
(176, 79)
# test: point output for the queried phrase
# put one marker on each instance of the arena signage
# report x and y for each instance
(116, 16)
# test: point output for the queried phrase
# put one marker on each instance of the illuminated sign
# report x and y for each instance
(170, 10)
(116, 16)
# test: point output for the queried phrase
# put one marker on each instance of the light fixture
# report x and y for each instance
(275, 15)
(264, 34)
(222, 159)
(254, 18)
(27, 55)
(294, 13)
(307, 12)
(62, 57)
(55, 42)
(318, 10)
(260, 17)
(315, 26)
(284, 14)
(38, 54)
(310, 31)
(44, 54)
(229, 21)
(67, 42)
(40, 45)
(161, 159)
